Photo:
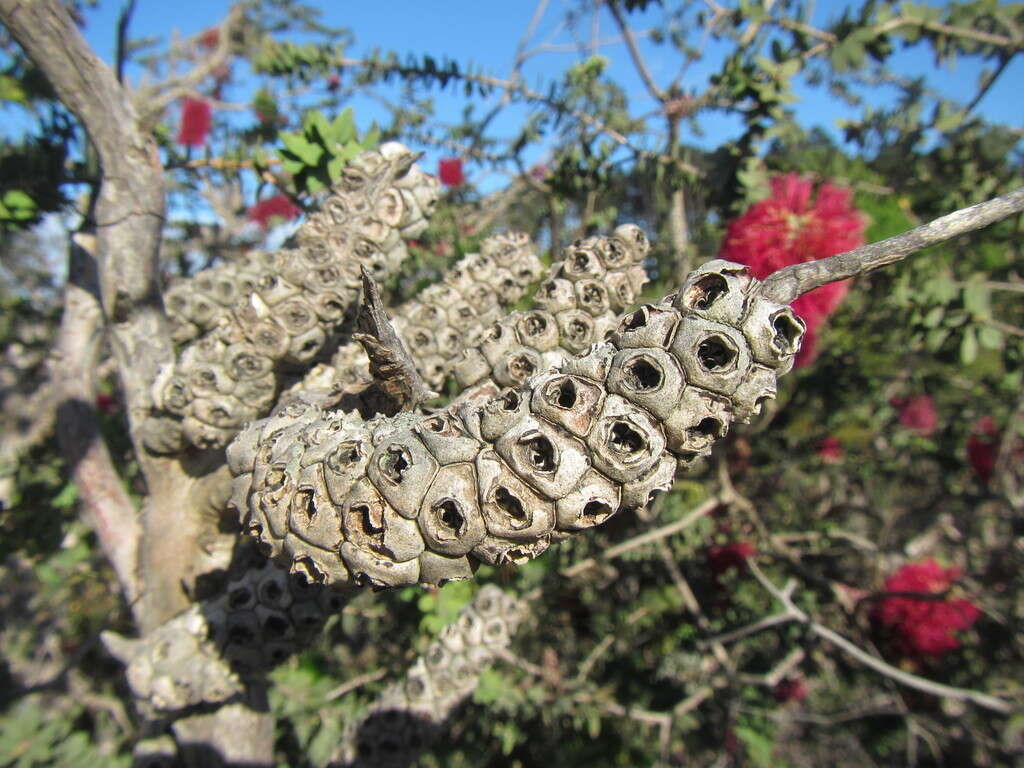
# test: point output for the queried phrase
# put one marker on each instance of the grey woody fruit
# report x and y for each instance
(577, 305)
(283, 306)
(497, 479)
(408, 715)
(450, 315)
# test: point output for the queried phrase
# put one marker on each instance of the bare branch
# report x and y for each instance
(865, 658)
(634, 53)
(787, 284)
(107, 507)
(130, 206)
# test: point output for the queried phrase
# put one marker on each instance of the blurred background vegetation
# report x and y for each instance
(900, 444)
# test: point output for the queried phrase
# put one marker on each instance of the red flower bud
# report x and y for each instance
(830, 450)
(276, 207)
(917, 413)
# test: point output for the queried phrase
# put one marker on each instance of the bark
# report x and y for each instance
(107, 506)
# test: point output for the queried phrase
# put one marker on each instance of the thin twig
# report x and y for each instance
(787, 284)
(645, 538)
(898, 675)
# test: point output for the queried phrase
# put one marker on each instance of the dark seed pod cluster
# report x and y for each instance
(451, 315)
(231, 374)
(416, 499)
(261, 617)
(409, 714)
(578, 304)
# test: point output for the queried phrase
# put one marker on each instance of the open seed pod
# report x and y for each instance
(577, 305)
(496, 480)
(408, 715)
(282, 306)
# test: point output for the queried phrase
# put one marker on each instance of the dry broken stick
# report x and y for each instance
(231, 374)
(417, 499)
(450, 315)
(409, 714)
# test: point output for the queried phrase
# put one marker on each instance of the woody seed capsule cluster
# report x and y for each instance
(413, 499)
(260, 618)
(409, 714)
(291, 300)
(451, 315)
(578, 304)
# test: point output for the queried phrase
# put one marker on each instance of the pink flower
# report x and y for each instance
(735, 554)
(830, 450)
(789, 228)
(277, 207)
(791, 689)
(925, 627)
(917, 413)
(450, 171)
(196, 119)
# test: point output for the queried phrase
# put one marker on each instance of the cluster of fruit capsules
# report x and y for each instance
(416, 499)
(451, 315)
(408, 715)
(231, 374)
(593, 282)
(196, 304)
(262, 616)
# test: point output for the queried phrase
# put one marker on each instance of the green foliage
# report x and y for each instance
(317, 156)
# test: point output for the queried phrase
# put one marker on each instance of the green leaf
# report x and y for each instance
(67, 496)
(990, 338)
(309, 154)
(968, 347)
(976, 299)
(343, 129)
(11, 90)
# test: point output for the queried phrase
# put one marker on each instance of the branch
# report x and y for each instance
(634, 53)
(865, 658)
(130, 206)
(409, 714)
(108, 509)
(787, 284)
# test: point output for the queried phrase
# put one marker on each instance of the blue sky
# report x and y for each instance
(486, 35)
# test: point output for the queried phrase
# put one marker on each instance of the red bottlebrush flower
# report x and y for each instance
(450, 171)
(925, 627)
(790, 227)
(917, 413)
(196, 119)
(276, 207)
(983, 448)
(830, 450)
(209, 38)
(732, 555)
(791, 689)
